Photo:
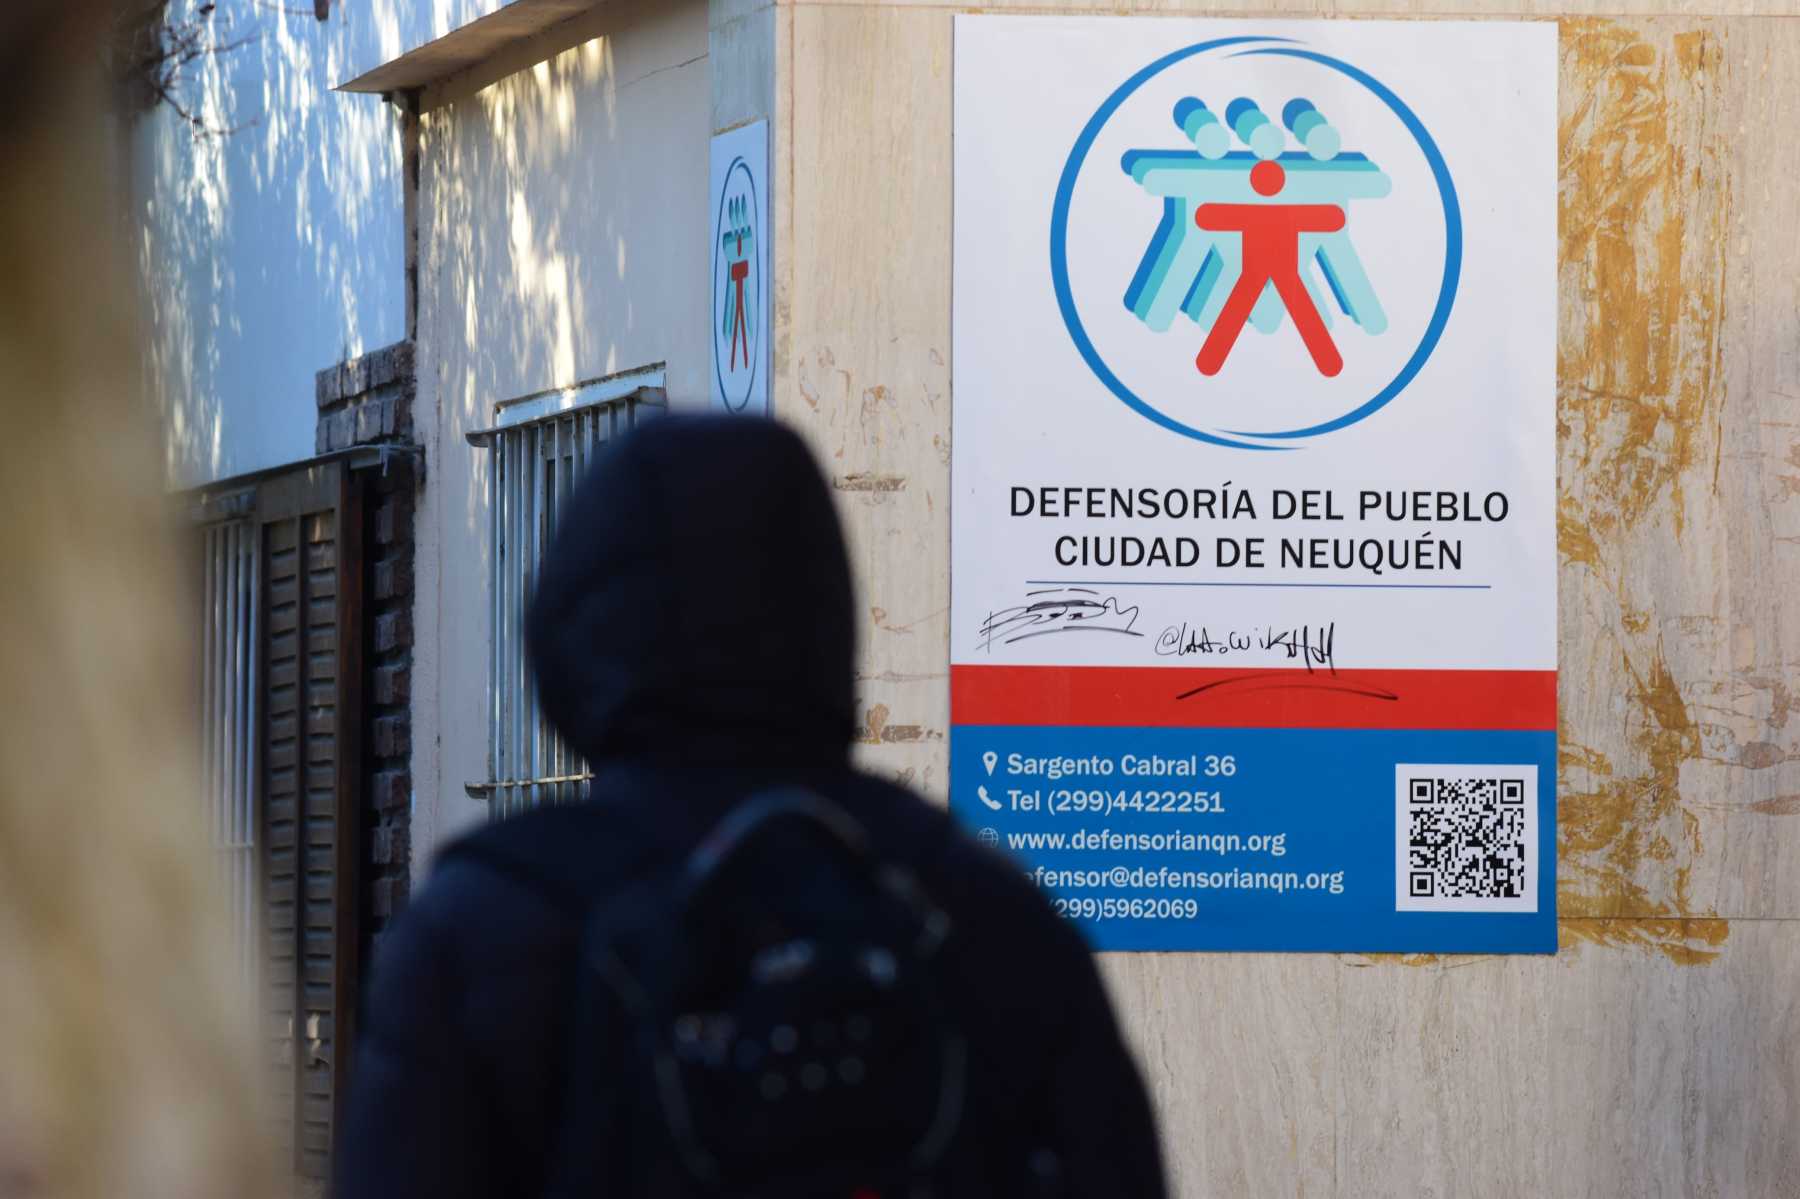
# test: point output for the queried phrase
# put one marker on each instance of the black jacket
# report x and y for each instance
(692, 636)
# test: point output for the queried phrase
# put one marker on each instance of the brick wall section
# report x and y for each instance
(368, 401)
(387, 813)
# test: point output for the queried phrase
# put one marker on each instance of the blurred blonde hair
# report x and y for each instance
(126, 1044)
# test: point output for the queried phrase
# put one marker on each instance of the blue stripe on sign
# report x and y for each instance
(1330, 792)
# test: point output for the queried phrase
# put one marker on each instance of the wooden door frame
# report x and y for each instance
(304, 490)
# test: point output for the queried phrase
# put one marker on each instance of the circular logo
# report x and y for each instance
(1253, 243)
(737, 287)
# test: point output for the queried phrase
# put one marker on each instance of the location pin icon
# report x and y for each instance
(988, 759)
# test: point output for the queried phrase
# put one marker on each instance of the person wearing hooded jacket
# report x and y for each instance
(691, 636)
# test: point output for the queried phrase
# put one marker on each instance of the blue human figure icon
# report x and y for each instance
(1191, 269)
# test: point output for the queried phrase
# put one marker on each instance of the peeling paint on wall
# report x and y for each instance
(876, 730)
(868, 481)
(1645, 209)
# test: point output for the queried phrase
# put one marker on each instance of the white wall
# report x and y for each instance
(405, 25)
(563, 232)
(275, 249)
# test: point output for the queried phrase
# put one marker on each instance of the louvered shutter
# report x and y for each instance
(310, 529)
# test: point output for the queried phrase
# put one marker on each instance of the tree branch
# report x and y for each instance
(155, 53)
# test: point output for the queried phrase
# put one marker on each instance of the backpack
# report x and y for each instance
(765, 1019)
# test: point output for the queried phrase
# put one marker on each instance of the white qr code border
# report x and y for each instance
(1404, 901)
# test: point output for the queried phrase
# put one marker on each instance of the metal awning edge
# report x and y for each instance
(645, 384)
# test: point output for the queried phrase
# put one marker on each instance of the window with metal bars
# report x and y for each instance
(539, 450)
(228, 721)
(281, 569)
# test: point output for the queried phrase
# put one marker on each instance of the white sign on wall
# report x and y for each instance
(1253, 624)
(740, 269)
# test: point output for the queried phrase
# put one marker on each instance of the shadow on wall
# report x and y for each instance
(563, 230)
(270, 236)
(559, 220)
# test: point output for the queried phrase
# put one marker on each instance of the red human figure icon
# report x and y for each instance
(740, 270)
(1271, 254)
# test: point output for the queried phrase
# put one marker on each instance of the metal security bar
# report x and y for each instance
(228, 722)
(535, 465)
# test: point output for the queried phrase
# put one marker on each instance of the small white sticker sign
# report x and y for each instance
(740, 269)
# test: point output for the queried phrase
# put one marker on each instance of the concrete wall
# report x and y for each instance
(563, 237)
(271, 240)
(1659, 1052)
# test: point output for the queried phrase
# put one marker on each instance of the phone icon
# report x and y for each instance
(995, 804)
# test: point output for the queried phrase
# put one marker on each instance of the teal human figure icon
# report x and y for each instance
(1195, 267)
(739, 244)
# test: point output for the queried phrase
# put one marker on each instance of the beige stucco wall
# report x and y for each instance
(1659, 1052)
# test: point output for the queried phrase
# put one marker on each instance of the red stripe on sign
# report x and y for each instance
(1176, 697)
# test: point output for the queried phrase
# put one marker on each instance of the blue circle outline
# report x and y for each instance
(1059, 231)
(718, 249)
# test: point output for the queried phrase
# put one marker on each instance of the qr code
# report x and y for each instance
(1466, 838)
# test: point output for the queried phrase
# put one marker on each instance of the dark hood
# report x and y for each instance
(694, 606)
